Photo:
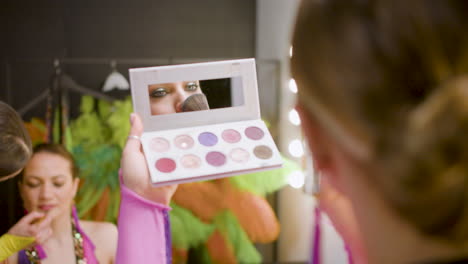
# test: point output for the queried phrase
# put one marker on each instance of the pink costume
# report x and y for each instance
(144, 230)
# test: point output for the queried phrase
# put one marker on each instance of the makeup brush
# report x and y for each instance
(195, 102)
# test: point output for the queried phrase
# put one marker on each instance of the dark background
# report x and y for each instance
(86, 35)
(217, 92)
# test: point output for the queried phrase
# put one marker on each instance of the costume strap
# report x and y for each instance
(316, 257)
(88, 246)
(316, 247)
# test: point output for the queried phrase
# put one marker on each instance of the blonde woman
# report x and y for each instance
(383, 97)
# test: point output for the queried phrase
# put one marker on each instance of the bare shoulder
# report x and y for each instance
(104, 237)
(93, 228)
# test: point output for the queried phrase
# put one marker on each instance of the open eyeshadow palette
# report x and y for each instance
(226, 139)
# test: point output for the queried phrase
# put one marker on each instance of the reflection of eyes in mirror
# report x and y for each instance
(169, 98)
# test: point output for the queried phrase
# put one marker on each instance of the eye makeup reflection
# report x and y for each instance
(191, 86)
(161, 90)
(158, 92)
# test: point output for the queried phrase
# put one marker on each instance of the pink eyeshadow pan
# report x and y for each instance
(190, 161)
(165, 165)
(254, 133)
(159, 144)
(215, 158)
(184, 141)
(231, 136)
(239, 155)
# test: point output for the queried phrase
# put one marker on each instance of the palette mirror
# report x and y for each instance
(194, 95)
(222, 137)
(228, 87)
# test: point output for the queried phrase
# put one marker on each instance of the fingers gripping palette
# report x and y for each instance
(224, 140)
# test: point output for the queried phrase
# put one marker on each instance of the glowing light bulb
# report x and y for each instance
(292, 85)
(295, 148)
(290, 51)
(296, 179)
(294, 117)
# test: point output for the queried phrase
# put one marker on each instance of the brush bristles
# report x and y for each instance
(195, 102)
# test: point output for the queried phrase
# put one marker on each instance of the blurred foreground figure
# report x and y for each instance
(383, 97)
(15, 151)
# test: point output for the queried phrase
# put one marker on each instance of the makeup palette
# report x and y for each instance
(206, 144)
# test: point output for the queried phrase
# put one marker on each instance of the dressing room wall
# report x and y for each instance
(90, 33)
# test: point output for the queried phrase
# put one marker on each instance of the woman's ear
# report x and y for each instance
(316, 139)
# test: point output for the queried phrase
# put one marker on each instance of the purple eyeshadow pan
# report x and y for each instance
(231, 136)
(208, 139)
(165, 165)
(254, 133)
(215, 158)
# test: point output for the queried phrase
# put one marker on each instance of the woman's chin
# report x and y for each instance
(53, 212)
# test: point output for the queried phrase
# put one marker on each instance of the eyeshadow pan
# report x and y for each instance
(184, 141)
(263, 152)
(208, 139)
(231, 136)
(165, 165)
(239, 155)
(215, 158)
(254, 133)
(190, 161)
(159, 144)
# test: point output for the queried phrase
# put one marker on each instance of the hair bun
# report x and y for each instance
(451, 98)
(441, 119)
(437, 160)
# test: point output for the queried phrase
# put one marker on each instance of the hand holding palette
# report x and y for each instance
(227, 139)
